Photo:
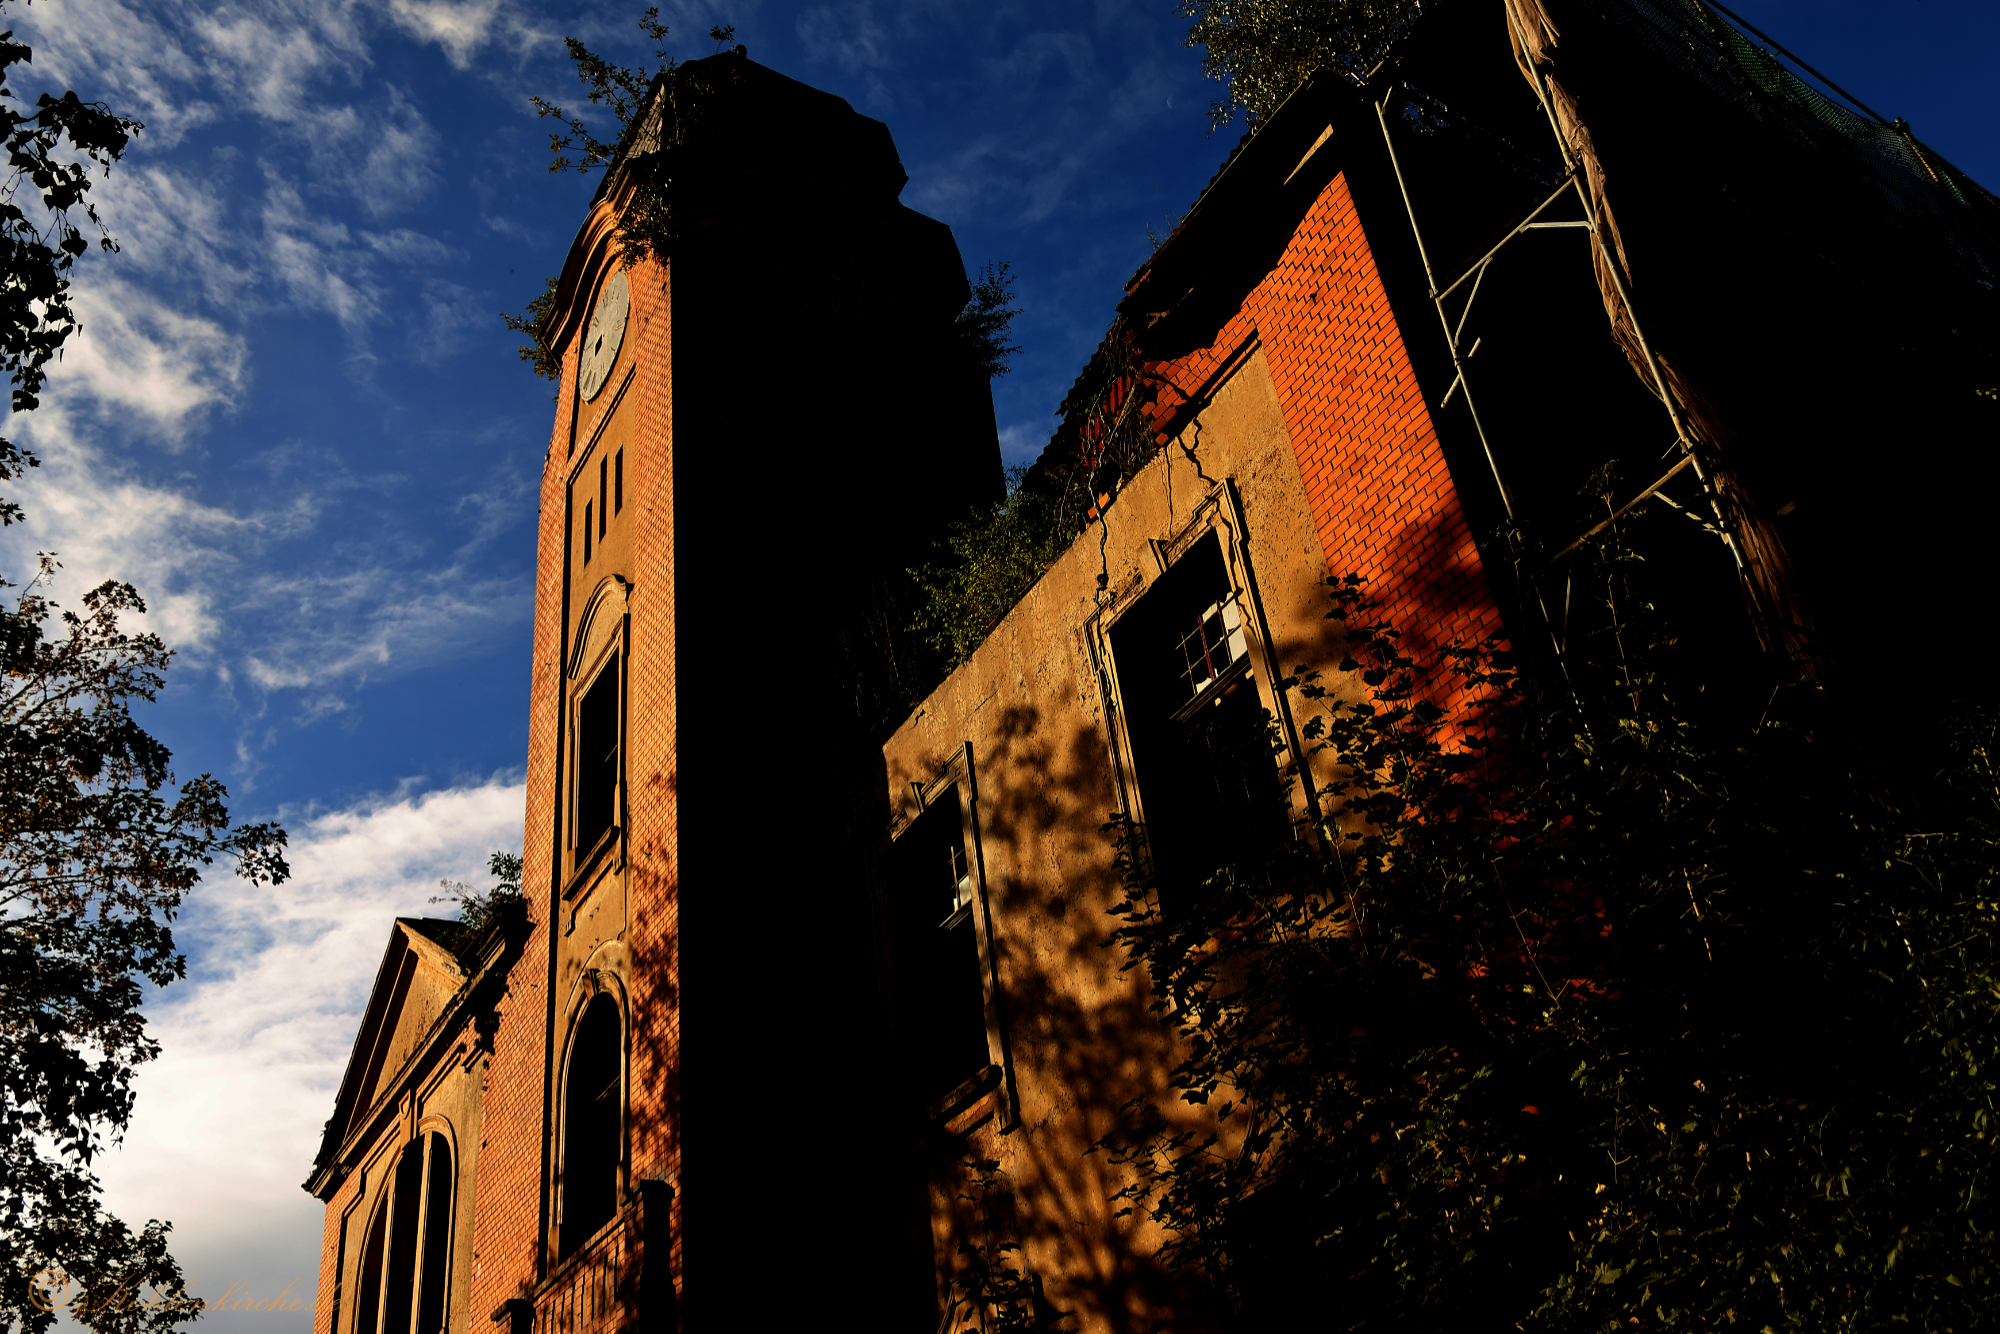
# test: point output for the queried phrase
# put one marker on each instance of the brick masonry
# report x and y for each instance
(1382, 497)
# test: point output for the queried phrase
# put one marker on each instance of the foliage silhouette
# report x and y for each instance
(652, 111)
(481, 910)
(988, 317)
(95, 852)
(989, 561)
(52, 149)
(1264, 49)
(95, 858)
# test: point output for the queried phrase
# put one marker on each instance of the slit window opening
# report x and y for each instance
(618, 482)
(586, 532)
(603, 514)
(368, 1311)
(431, 1291)
(597, 759)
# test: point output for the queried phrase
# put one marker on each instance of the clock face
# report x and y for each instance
(605, 335)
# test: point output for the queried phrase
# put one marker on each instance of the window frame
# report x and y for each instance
(990, 1092)
(431, 1139)
(1219, 512)
(592, 655)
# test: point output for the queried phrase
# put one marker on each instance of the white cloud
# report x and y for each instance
(314, 258)
(106, 524)
(366, 608)
(177, 230)
(461, 27)
(257, 1037)
(451, 313)
(268, 62)
(1023, 442)
(156, 369)
(849, 36)
(345, 626)
(393, 152)
(121, 54)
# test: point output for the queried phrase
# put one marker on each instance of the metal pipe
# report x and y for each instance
(1444, 321)
(1632, 314)
(1526, 223)
(1458, 362)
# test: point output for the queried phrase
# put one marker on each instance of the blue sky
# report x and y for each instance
(295, 422)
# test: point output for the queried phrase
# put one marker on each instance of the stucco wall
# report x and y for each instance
(1081, 1040)
(1323, 432)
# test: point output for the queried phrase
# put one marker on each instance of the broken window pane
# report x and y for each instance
(1202, 747)
(940, 1003)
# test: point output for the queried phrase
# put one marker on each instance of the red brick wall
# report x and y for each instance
(651, 771)
(507, 1225)
(1374, 472)
(509, 1221)
(329, 1256)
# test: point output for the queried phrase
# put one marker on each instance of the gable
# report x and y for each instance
(413, 987)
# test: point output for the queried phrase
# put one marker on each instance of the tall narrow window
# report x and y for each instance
(434, 1275)
(586, 532)
(368, 1309)
(618, 482)
(400, 1280)
(406, 1263)
(597, 759)
(603, 512)
(1201, 739)
(940, 996)
(593, 1116)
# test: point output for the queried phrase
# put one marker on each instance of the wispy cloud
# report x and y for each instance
(157, 369)
(220, 588)
(460, 27)
(104, 523)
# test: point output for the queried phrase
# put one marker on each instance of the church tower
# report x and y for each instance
(760, 426)
(656, 1080)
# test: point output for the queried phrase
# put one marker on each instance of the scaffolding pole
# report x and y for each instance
(1577, 176)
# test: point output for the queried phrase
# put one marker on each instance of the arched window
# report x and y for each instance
(593, 1117)
(406, 1263)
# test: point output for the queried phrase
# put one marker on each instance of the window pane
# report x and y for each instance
(592, 1122)
(402, 1276)
(437, 1239)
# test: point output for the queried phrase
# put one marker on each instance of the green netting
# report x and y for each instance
(1909, 177)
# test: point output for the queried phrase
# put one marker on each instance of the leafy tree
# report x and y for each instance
(990, 560)
(479, 911)
(51, 151)
(97, 847)
(646, 226)
(984, 324)
(96, 854)
(1629, 1004)
(1263, 49)
(648, 154)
